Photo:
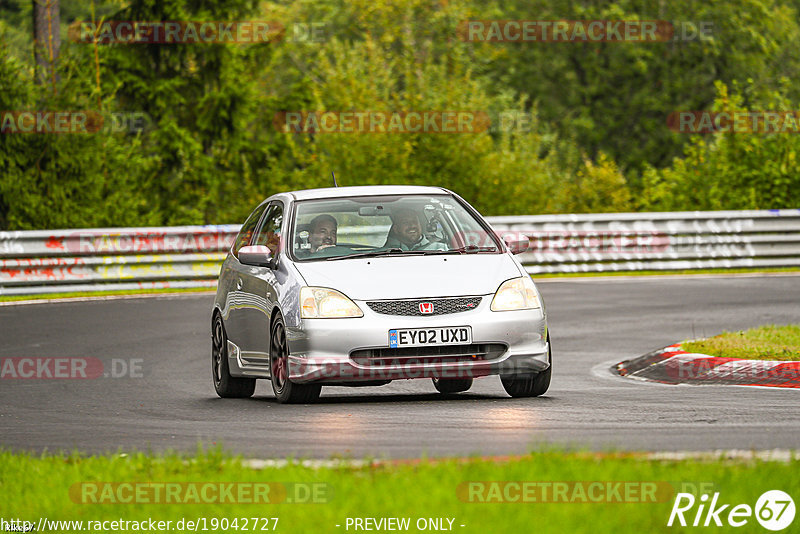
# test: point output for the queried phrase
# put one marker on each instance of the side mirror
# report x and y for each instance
(517, 242)
(257, 255)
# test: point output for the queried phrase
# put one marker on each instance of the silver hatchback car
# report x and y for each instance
(359, 286)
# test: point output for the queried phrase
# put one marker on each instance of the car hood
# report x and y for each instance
(401, 277)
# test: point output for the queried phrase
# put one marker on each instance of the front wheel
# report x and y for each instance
(286, 391)
(225, 385)
(530, 385)
(452, 385)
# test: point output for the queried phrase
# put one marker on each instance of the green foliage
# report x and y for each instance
(614, 97)
(730, 170)
(497, 171)
(65, 180)
(392, 56)
(599, 188)
(205, 152)
(594, 136)
(49, 486)
(16, 21)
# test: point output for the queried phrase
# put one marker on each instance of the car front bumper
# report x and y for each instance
(321, 350)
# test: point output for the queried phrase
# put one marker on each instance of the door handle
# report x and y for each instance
(238, 284)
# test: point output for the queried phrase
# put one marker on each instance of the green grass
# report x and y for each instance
(39, 486)
(672, 272)
(768, 342)
(78, 294)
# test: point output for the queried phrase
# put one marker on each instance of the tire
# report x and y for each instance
(286, 391)
(225, 385)
(451, 385)
(530, 385)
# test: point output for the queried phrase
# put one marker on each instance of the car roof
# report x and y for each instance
(366, 190)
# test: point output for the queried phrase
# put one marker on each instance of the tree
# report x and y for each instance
(46, 39)
(731, 170)
(614, 97)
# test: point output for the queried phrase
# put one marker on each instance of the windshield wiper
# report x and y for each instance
(469, 249)
(475, 248)
(374, 253)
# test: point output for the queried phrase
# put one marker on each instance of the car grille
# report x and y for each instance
(476, 352)
(411, 307)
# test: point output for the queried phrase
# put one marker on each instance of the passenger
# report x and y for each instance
(406, 233)
(322, 232)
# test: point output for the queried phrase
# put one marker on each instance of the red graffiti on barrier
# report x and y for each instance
(43, 268)
(54, 242)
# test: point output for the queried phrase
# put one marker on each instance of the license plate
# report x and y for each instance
(424, 337)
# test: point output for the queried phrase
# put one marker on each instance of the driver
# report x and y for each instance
(406, 232)
(322, 232)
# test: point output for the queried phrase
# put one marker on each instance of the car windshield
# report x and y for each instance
(340, 228)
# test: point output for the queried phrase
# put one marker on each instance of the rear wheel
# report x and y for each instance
(530, 385)
(286, 391)
(225, 385)
(452, 385)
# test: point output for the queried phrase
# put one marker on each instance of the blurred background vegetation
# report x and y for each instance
(597, 139)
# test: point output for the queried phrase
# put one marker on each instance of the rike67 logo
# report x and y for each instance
(774, 510)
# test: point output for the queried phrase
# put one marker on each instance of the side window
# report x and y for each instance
(269, 234)
(247, 229)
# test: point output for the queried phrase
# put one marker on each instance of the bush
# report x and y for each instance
(730, 170)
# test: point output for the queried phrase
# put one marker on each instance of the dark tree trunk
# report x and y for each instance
(46, 38)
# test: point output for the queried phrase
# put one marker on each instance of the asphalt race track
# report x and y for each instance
(173, 405)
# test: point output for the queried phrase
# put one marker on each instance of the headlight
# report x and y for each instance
(516, 294)
(323, 303)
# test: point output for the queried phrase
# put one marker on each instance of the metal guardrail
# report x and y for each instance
(45, 261)
(658, 241)
(48, 261)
